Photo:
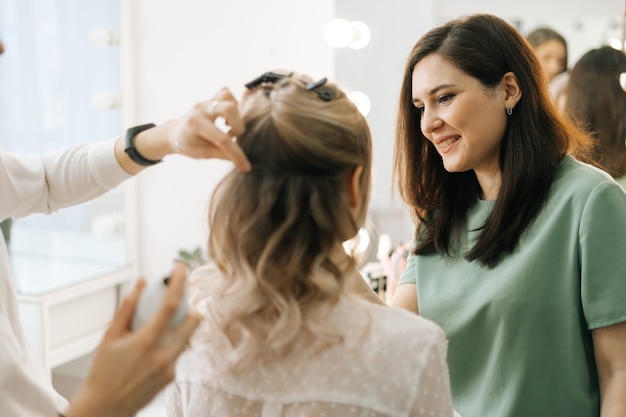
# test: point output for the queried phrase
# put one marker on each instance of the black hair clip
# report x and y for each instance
(315, 84)
(324, 94)
(268, 77)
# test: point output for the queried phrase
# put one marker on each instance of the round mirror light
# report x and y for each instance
(339, 33)
(361, 101)
(361, 35)
(616, 44)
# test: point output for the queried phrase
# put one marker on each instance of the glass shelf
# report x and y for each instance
(48, 260)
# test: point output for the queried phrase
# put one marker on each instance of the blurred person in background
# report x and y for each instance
(551, 49)
(595, 97)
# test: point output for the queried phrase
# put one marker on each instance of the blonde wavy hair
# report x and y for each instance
(276, 232)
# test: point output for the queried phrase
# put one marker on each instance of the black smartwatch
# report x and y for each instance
(130, 145)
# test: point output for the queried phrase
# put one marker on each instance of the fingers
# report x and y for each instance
(225, 105)
(216, 141)
(144, 360)
(124, 315)
(180, 269)
(198, 135)
(192, 319)
(172, 299)
(224, 143)
(234, 153)
(185, 330)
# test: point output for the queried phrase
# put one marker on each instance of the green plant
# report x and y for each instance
(193, 258)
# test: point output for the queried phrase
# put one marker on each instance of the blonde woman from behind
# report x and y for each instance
(282, 333)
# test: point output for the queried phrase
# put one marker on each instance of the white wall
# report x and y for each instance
(377, 70)
(180, 52)
(531, 8)
(585, 24)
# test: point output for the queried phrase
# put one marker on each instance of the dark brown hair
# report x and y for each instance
(535, 141)
(594, 97)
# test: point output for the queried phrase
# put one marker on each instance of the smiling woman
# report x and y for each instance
(495, 180)
(463, 119)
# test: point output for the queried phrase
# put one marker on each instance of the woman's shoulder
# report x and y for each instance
(571, 167)
(579, 177)
(584, 188)
(394, 323)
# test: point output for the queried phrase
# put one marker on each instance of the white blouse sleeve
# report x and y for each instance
(433, 395)
(173, 403)
(54, 180)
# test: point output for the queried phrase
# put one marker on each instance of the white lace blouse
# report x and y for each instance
(396, 368)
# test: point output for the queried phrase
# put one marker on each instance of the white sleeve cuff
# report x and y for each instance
(104, 166)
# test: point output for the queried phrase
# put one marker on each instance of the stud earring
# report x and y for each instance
(509, 111)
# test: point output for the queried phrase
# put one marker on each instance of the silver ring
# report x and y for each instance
(212, 108)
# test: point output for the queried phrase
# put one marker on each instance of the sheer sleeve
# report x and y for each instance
(433, 396)
(173, 403)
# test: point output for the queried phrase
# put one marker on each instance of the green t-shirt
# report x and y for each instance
(519, 334)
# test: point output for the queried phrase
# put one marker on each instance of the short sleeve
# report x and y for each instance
(408, 275)
(603, 256)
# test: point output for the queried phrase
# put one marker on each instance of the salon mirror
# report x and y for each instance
(60, 86)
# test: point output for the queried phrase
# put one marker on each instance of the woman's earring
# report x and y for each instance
(509, 111)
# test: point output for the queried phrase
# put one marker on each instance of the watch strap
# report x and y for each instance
(130, 149)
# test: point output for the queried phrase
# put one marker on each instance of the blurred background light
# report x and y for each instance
(361, 35)
(362, 101)
(339, 33)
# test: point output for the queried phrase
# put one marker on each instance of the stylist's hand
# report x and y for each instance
(130, 368)
(195, 135)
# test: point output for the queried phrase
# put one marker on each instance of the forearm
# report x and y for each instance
(81, 173)
(614, 395)
(54, 180)
(609, 345)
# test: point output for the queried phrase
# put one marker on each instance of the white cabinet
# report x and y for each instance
(66, 323)
(67, 296)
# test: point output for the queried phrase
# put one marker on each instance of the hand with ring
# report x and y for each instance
(196, 134)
